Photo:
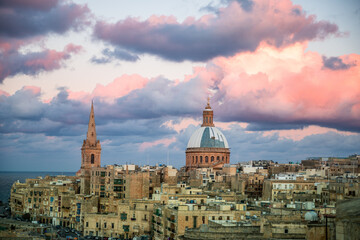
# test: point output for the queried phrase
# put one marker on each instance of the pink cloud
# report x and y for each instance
(165, 141)
(183, 124)
(299, 134)
(286, 85)
(33, 89)
(13, 63)
(3, 93)
(52, 59)
(228, 31)
(119, 87)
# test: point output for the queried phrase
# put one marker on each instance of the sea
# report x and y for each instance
(8, 178)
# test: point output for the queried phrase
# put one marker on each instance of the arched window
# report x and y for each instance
(206, 159)
(92, 158)
(212, 158)
(218, 158)
(196, 159)
(206, 119)
(200, 159)
(209, 119)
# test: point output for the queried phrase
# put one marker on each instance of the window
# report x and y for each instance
(200, 159)
(87, 224)
(118, 181)
(206, 119)
(286, 230)
(187, 218)
(92, 158)
(212, 158)
(218, 158)
(97, 225)
(196, 159)
(145, 207)
(206, 159)
(112, 225)
(104, 225)
(123, 216)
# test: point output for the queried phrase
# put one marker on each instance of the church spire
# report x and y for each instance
(91, 133)
(208, 115)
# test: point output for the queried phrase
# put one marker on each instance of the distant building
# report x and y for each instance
(207, 146)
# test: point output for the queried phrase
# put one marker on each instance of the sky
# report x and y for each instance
(283, 79)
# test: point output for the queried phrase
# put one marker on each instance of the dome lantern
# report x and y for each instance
(208, 116)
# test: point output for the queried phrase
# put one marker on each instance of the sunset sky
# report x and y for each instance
(283, 77)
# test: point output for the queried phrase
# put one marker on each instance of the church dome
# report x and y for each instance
(207, 146)
(208, 137)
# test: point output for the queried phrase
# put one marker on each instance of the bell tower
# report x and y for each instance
(90, 153)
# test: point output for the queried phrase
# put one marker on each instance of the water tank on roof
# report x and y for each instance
(311, 216)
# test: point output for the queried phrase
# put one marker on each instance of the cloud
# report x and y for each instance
(29, 4)
(23, 22)
(285, 88)
(165, 141)
(224, 33)
(268, 89)
(336, 63)
(33, 63)
(117, 54)
(26, 19)
(23, 104)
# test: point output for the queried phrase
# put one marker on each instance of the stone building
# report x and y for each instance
(207, 146)
(171, 220)
(132, 218)
(348, 219)
(290, 190)
(47, 200)
(113, 182)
